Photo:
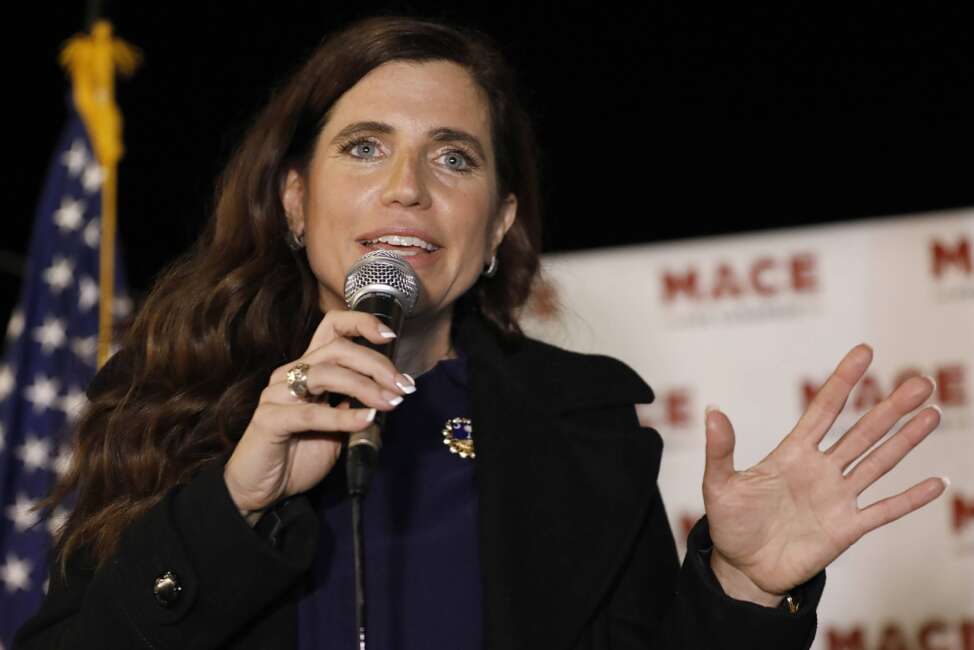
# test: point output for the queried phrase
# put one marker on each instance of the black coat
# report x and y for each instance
(576, 548)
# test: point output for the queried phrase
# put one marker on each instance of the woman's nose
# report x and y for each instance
(406, 183)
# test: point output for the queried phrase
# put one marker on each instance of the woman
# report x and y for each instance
(208, 511)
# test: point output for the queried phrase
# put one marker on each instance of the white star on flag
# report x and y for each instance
(22, 513)
(92, 177)
(50, 335)
(85, 348)
(62, 462)
(6, 381)
(59, 274)
(73, 403)
(75, 158)
(15, 573)
(57, 520)
(68, 216)
(42, 393)
(91, 233)
(34, 453)
(121, 306)
(16, 324)
(87, 293)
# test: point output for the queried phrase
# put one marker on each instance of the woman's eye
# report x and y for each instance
(457, 161)
(363, 149)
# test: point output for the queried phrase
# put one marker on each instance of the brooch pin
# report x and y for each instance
(458, 436)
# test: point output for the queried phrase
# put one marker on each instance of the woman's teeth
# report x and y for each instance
(404, 241)
(405, 253)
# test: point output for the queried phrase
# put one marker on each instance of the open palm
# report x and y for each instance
(785, 519)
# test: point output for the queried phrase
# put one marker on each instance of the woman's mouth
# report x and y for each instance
(416, 251)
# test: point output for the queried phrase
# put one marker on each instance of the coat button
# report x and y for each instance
(166, 589)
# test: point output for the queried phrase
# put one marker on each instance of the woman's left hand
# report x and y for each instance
(779, 523)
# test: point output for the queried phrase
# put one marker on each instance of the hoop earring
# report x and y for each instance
(491, 269)
(293, 241)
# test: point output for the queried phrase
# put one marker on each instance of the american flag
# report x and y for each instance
(50, 356)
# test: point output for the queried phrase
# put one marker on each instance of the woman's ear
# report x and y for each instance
(506, 215)
(292, 198)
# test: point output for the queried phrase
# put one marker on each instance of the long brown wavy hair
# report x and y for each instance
(240, 303)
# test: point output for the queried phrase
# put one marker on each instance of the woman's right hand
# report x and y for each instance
(291, 444)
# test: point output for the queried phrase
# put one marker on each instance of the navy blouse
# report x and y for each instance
(423, 583)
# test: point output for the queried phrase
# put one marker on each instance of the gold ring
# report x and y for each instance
(297, 380)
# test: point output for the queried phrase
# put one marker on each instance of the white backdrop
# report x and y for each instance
(754, 323)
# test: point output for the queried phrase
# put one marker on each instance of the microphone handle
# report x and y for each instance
(363, 446)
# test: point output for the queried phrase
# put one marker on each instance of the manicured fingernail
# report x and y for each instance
(710, 407)
(409, 389)
(386, 332)
(368, 416)
(938, 409)
(946, 481)
(396, 401)
(409, 378)
(932, 381)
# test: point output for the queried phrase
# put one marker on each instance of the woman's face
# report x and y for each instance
(405, 162)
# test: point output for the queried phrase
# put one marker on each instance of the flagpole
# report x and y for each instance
(92, 61)
(107, 267)
(93, 12)
(106, 280)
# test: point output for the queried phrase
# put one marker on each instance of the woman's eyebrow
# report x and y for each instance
(363, 127)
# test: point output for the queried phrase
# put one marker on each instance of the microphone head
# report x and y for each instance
(386, 272)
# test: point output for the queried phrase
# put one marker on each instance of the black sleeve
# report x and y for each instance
(660, 605)
(227, 574)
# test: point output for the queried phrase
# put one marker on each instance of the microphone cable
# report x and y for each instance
(358, 535)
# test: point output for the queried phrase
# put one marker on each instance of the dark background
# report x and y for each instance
(658, 121)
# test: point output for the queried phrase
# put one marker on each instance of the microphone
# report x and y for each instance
(380, 283)
(383, 284)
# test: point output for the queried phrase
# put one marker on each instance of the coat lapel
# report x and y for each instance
(564, 483)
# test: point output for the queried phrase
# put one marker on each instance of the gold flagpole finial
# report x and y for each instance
(92, 60)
